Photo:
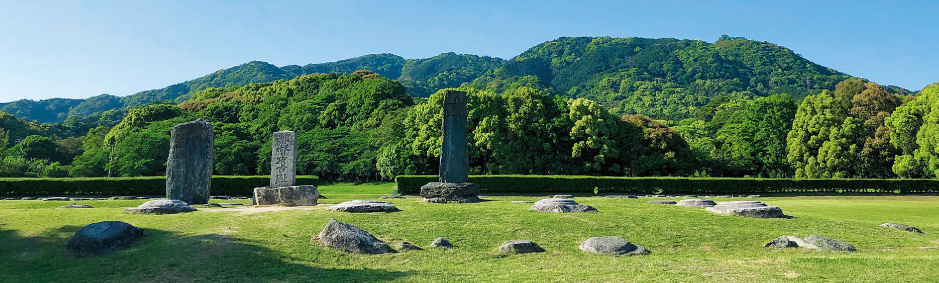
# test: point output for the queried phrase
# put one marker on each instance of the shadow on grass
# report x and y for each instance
(163, 256)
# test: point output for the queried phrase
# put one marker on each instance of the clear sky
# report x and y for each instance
(79, 49)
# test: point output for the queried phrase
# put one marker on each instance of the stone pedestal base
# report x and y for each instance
(437, 192)
(304, 195)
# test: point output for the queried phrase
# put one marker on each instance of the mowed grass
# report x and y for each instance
(688, 244)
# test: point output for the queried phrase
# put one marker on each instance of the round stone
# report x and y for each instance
(611, 245)
(349, 238)
(102, 238)
(561, 205)
(752, 209)
(519, 247)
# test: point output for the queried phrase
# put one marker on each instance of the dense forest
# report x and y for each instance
(590, 106)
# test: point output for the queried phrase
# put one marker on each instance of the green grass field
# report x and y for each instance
(688, 244)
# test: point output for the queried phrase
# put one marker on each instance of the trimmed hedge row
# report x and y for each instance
(411, 184)
(221, 185)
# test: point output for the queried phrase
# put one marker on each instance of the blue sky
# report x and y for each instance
(79, 49)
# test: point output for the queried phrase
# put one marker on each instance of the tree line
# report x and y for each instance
(362, 126)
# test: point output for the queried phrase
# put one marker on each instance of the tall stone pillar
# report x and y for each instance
(453, 156)
(190, 162)
(454, 162)
(284, 159)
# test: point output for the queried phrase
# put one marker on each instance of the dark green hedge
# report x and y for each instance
(221, 185)
(675, 185)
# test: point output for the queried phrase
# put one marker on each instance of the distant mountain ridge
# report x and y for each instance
(661, 78)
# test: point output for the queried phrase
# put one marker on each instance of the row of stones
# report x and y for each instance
(108, 198)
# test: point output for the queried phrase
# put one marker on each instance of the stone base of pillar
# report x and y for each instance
(437, 192)
(304, 195)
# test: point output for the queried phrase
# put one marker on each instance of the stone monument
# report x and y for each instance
(284, 159)
(453, 185)
(282, 187)
(190, 162)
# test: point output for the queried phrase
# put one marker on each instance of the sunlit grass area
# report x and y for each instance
(688, 244)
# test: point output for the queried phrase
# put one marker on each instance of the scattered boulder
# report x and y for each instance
(752, 209)
(663, 202)
(519, 247)
(57, 199)
(404, 246)
(351, 239)
(363, 206)
(611, 246)
(302, 195)
(522, 201)
(441, 242)
(903, 227)
(696, 202)
(73, 205)
(102, 238)
(814, 242)
(122, 198)
(561, 205)
(29, 198)
(563, 196)
(161, 206)
(438, 192)
(781, 242)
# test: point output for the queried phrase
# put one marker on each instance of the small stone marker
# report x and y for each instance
(161, 206)
(363, 206)
(404, 246)
(284, 159)
(561, 205)
(519, 247)
(190, 162)
(752, 209)
(351, 239)
(696, 202)
(302, 195)
(903, 227)
(611, 245)
(814, 242)
(102, 238)
(663, 202)
(441, 242)
(73, 205)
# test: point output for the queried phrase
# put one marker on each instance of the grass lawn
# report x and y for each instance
(688, 244)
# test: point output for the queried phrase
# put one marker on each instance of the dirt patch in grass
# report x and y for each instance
(259, 209)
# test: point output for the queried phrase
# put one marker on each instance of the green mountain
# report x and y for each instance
(662, 78)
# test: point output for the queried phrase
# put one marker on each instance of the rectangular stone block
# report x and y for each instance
(303, 195)
(284, 159)
(190, 162)
(453, 155)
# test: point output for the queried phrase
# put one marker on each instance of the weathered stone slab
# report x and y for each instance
(561, 205)
(102, 238)
(190, 162)
(303, 195)
(56, 199)
(450, 192)
(161, 206)
(73, 205)
(752, 209)
(817, 242)
(522, 201)
(519, 247)
(441, 242)
(696, 202)
(122, 198)
(363, 206)
(453, 155)
(903, 227)
(349, 238)
(284, 159)
(663, 202)
(563, 196)
(780, 243)
(611, 245)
